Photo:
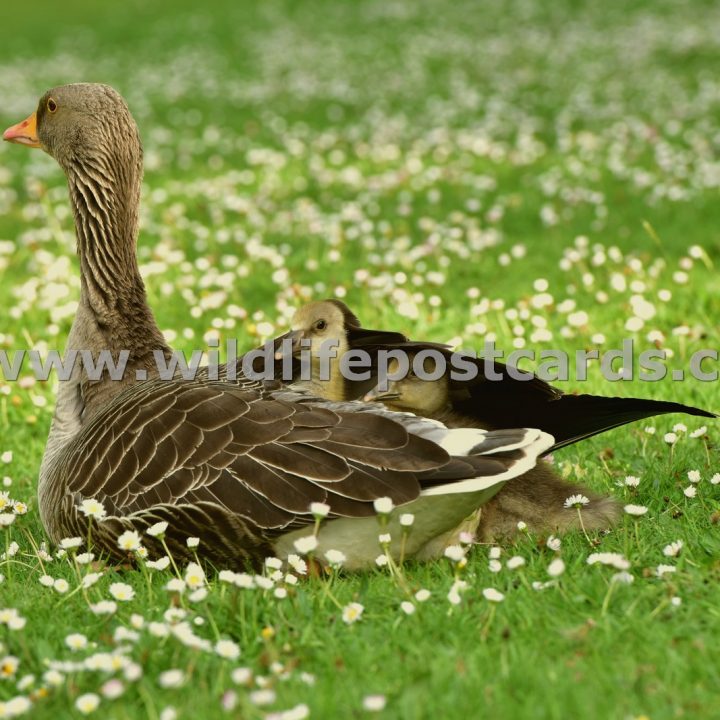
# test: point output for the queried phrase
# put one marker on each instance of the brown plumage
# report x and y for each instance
(230, 462)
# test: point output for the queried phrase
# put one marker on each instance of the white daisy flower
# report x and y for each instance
(93, 508)
(673, 549)
(352, 613)
(636, 510)
(121, 591)
(87, 703)
(576, 501)
(383, 505)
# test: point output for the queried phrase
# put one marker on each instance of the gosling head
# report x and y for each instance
(412, 392)
(318, 322)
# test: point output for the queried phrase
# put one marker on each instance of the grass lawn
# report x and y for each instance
(541, 174)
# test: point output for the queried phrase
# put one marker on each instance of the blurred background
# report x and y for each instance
(540, 173)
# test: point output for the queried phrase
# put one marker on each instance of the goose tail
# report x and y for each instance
(572, 418)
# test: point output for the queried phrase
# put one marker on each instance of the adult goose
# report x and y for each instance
(232, 463)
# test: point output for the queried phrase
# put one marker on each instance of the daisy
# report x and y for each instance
(407, 519)
(87, 703)
(175, 585)
(554, 543)
(171, 678)
(194, 576)
(112, 689)
(262, 697)
(161, 564)
(374, 703)
(661, 570)
(690, 491)
(227, 649)
(515, 562)
(407, 607)
(61, 585)
(493, 595)
(241, 676)
(192, 542)
(122, 591)
(104, 607)
(694, 476)
(76, 641)
(576, 501)
(297, 564)
(383, 505)
(673, 549)
(352, 613)
(454, 553)
(93, 508)
(158, 529)
(319, 510)
(129, 540)
(335, 557)
(90, 579)
(556, 568)
(422, 595)
(70, 543)
(636, 510)
(305, 545)
(613, 559)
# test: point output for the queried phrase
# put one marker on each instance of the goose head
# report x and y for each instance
(79, 124)
(412, 393)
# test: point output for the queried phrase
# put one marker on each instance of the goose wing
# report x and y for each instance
(240, 466)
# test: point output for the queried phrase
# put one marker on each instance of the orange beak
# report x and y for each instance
(24, 133)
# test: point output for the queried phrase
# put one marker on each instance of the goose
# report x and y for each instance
(232, 463)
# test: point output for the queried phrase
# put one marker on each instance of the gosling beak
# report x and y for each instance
(295, 337)
(377, 395)
(24, 133)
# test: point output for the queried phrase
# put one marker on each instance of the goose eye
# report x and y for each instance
(51, 105)
(320, 325)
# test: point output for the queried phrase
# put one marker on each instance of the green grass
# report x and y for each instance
(291, 145)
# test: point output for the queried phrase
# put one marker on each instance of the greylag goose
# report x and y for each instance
(230, 462)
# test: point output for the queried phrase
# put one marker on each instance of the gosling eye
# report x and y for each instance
(320, 325)
(51, 105)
